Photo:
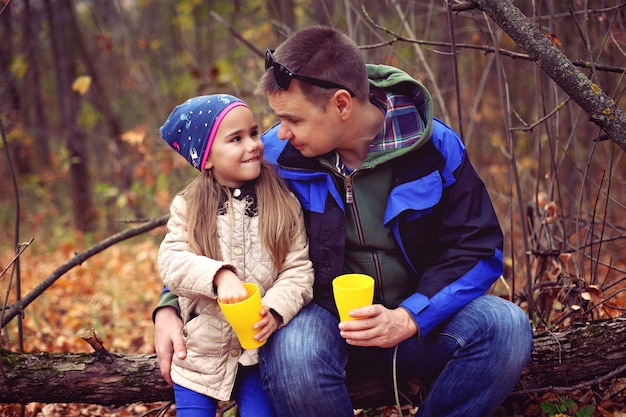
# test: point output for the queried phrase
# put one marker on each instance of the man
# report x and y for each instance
(389, 191)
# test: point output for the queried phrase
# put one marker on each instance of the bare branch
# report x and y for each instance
(78, 259)
(529, 127)
(602, 110)
(237, 35)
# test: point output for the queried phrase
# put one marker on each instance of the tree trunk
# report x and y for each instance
(36, 115)
(84, 211)
(562, 360)
(85, 378)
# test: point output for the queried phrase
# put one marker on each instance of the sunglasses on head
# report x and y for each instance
(284, 75)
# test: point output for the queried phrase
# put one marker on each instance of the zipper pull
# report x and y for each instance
(349, 196)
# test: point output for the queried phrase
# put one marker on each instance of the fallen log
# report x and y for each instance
(580, 356)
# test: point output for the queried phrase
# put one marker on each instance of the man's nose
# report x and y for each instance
(284, 133)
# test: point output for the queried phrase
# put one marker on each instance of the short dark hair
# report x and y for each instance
(320, 52)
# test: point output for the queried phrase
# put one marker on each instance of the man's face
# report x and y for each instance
(311, 130)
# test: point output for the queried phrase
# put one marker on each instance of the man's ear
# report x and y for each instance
(343, 102)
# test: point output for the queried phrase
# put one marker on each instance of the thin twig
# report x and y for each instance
(455, 71)
(237, 35)
(6, 4)
(20, 249)
(16, 237)
(530, 127)
(604, 301)
(434, 90)
(487, 50)
(504, 97)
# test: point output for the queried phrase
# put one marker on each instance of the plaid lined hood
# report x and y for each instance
(395, 89)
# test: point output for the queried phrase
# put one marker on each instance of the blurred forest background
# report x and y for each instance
(86, 84)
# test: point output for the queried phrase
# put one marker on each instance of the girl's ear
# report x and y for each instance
(208, 164)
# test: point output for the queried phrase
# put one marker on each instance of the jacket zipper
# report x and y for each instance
(359, 228)
(349, 194)
(355, 211)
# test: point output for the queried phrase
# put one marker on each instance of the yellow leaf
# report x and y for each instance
(19, 66)
(135, 136)
(81, 84)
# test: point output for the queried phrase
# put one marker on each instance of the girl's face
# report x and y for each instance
(237, 150)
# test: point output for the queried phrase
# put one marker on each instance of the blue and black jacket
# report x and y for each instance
(418, 219)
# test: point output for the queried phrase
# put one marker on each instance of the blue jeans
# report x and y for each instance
(248, 393)
(473, 361)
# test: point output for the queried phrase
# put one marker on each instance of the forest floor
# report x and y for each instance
(114, 293)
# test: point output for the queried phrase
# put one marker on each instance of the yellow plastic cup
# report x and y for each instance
(352, 291)
(243, 315)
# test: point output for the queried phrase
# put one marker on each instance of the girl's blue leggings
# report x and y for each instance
(248, 393)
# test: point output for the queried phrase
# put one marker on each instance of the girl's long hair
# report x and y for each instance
(278, 209)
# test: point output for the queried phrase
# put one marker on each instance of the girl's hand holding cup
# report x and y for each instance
(230, 289)
(244, 315)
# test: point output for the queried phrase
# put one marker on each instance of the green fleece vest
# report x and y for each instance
(370, 247)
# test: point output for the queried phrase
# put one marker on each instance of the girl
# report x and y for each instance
(236, 222)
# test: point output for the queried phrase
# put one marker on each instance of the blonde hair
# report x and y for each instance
(279, 212)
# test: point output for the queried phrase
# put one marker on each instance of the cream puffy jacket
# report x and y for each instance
(213, 351)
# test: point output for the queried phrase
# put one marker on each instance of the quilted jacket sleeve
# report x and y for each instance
(183, 272)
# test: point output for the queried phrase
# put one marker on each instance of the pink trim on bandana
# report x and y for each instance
(216, 125)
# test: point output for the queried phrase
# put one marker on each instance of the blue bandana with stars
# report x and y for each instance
(192, 125)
